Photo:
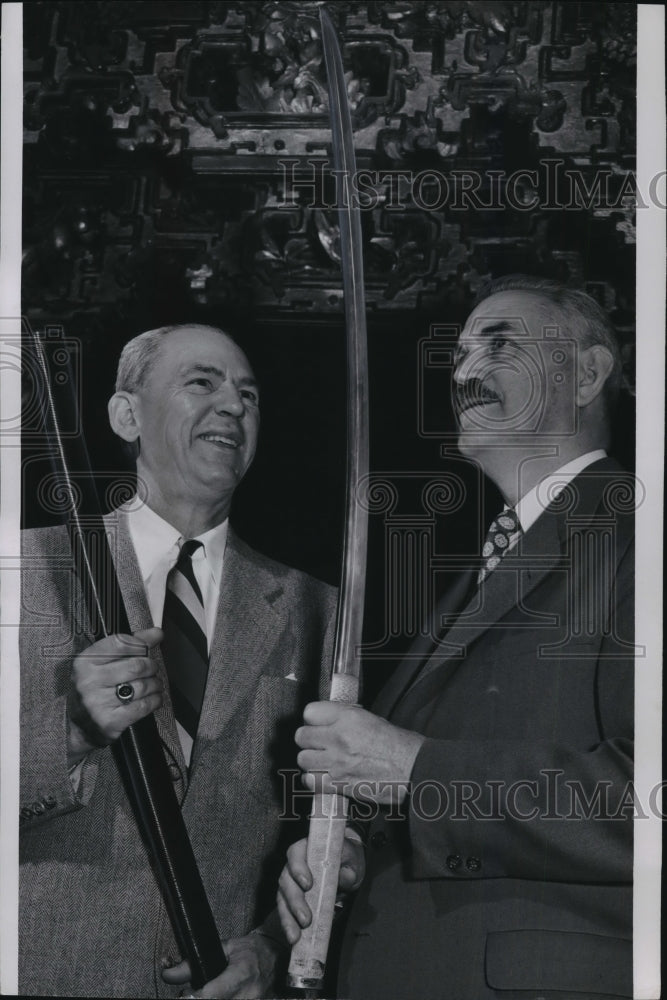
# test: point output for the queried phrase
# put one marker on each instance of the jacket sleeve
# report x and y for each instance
(537, 809)
(51, 634)
(46, 786)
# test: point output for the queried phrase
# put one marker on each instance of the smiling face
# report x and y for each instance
(196, 418)
(514, 379)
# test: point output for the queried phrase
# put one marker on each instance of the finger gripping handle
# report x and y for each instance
(325, 847)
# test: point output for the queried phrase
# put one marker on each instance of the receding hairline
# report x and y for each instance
(162, 332)
(553, 295)
(140, 354)
(545, 303)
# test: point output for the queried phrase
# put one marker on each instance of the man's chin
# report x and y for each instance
(477, 423)
(473, 441)
(468, 443)
(221, 479)
(220, 462)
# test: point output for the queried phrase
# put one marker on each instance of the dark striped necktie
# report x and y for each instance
(498, 540)
(184, 646)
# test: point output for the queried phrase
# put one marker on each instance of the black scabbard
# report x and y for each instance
(138, 752)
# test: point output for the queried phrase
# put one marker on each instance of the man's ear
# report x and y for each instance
(593, 369)
(123, 415)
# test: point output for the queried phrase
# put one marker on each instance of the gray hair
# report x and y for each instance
(139, 354)
(579, 314)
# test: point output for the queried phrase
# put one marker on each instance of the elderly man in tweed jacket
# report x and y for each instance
(92, 921)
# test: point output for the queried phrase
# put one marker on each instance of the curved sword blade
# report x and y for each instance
(328, 818)
(351, 602)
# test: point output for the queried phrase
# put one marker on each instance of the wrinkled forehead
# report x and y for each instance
(524, 314)
(204, 346)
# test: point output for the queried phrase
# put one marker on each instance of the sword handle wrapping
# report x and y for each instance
(326, 834)
(325, 846)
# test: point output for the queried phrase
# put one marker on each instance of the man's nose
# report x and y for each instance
(229, 400)
(464, 365)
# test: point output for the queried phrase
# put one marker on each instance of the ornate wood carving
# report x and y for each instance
(185, 145)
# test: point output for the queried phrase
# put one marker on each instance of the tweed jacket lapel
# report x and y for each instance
(247, 628)
(138, 613)
(537, 554)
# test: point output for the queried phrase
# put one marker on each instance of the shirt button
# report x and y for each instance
(473, 864)
(378, 839)
(453, 862)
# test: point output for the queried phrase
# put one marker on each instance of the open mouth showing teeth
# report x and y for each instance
(220, 439)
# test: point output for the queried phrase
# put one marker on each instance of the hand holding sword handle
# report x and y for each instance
(325, 847)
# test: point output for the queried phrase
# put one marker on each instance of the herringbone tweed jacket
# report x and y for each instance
(91, 918)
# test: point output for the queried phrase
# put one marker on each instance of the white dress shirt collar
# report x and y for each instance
(530, 506)
(156, 543)
(214, 542)
(154, 539)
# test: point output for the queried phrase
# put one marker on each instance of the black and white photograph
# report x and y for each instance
(332, 355)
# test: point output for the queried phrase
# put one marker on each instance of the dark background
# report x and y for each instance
(153, 194)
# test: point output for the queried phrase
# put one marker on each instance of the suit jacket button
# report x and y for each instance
(27, 813)
(473, 864)
(49, 801)
(174, 771)
(378, 839)
(38, 808)
(453, 862)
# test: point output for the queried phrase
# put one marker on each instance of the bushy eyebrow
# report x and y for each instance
(502, 326)
(214, 370)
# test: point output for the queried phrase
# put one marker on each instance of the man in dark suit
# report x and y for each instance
(92, 921)
(499, 758)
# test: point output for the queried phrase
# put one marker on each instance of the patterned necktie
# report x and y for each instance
(498, 541)
(184, 646)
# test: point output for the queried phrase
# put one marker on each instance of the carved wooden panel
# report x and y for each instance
(187, 144)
